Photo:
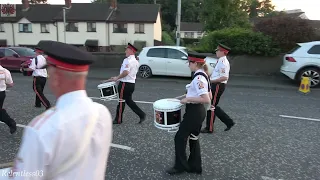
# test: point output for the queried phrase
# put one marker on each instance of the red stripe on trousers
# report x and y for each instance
(212, 111)
(35, 90)
(121, 97)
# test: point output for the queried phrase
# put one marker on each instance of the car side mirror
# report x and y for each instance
(15, 55)
(184, 57)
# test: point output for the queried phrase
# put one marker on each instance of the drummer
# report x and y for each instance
(198, 95)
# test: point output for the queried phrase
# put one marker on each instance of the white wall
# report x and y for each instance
(158, 29)
(130, 36)
(36, 35)
(81, 36)
(7, 34)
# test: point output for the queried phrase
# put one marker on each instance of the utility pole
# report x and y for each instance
(178, 23)
(64, 24)
(155, 1)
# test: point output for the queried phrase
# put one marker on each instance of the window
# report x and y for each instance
(175, 54)
(294, 49)
(199, 33)
(91, 27)
(157, 52)
(44, 28)
(314, 50)
(139, 28)
(120, 28)
(9, 53)
(188, 34)
(2, 53)
(1, 27)
(72, 27)
(24, 51)
(26, 28)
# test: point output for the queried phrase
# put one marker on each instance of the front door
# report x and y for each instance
(156, 59)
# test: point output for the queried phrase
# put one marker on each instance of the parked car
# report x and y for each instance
(167, 61)
(303, 61)
(14, 57)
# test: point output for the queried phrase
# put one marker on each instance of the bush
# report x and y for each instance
(241, 41)
(286, 31)
(167, 39)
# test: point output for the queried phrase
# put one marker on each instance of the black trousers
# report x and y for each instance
(125, 92)
(217, 91)
(38, 86)
(4, 116)
(190, 128)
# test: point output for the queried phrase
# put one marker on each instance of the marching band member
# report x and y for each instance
(5, 81)
(197, 98)
(49, 142)
(126, 86)
(219, 79)
(39, 78)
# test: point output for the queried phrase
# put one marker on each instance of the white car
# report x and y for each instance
(303, 61)
(167, 61)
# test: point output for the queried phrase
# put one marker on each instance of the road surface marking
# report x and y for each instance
(143, 102)
(112, 145)
(304, 118)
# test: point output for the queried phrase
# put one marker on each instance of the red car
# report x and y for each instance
(15, 57)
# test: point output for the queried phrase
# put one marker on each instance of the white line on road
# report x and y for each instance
(112, 145)
(143, 102)
(304, 118)
(269, 178)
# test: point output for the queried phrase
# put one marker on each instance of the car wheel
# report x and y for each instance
(313, 74)
(145, 71)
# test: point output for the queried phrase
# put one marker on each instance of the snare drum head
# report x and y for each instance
(167, 104)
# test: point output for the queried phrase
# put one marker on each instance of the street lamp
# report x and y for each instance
(178, 23)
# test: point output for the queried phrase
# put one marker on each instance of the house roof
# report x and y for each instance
(315, 23)
(87, 12)
(191, 26)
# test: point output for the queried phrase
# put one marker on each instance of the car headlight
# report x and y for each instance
(212, 65)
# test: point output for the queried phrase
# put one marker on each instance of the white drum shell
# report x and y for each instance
(165, 106)
(108, 85)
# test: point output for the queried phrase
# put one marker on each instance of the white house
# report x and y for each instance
(95, 25)
(191, 30)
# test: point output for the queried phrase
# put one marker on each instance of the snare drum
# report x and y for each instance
(108, 90)
(167, 114)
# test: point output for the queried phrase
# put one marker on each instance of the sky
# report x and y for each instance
(310, 7)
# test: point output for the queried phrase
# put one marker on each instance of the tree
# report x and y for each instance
(38, 1)
(286, 31)
(220, 14)
(258, 8)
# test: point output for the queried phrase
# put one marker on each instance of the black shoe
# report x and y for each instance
(173, 171)
(195, 171)
(142, 119)
(205, 130)
(229, 127)
(37, 106)
(13, 127)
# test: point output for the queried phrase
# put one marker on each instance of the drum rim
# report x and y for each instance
(166, 126)
(106, 85)
(178, 105)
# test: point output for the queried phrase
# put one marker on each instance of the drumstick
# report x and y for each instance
(180, 96)
(174, 100)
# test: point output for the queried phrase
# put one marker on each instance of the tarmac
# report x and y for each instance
(276, 135)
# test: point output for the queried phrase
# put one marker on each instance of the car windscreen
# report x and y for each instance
(24, 51)
(294, 49)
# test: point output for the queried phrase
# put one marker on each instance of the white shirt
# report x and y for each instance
(41, 63)
(198, 86)
(132, 65)
(5, 78)
(54, 136)
(221, 69)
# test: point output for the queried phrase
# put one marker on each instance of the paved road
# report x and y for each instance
(262, 145)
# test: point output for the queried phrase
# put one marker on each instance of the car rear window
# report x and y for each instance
(294, 49)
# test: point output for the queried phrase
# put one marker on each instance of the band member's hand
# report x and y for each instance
(21, 70)
(212, 107)
(184, 101)
(114, 78)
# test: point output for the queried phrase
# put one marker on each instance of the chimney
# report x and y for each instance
(114, 4)
(25, 5)
(68, 3)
